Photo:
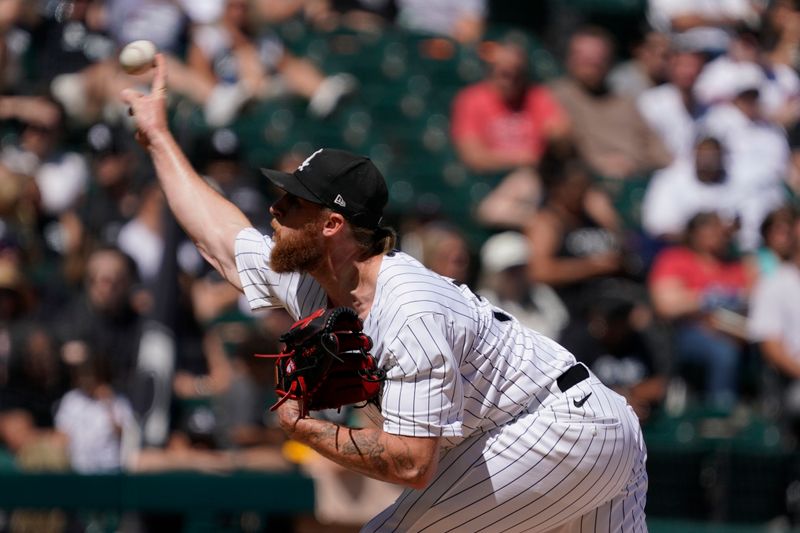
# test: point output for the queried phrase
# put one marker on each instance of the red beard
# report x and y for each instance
(298, 252)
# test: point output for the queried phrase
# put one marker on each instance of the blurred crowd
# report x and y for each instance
(121, 350)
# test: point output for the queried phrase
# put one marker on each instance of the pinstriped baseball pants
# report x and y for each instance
(558, 469)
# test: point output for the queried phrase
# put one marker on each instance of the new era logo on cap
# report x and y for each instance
(328, 175)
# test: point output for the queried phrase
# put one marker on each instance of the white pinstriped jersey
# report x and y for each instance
(455, 363)
(520, 455)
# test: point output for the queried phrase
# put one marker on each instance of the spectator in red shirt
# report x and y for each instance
(506, 121)
(502, 125)
(704, 297)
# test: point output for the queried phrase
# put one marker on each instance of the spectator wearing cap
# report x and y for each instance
(634, 149)
(671, 109)
(504, 259)
(685, 188)
(745, 66)
(757, 151)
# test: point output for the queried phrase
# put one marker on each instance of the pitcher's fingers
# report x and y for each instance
(129, 95)
(160, 78)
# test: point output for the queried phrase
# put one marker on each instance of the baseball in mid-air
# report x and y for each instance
(137, 57)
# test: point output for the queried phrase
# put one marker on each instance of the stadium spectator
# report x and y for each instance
(685, 188)
(242, 420)
(142, 237)
(462, 20)
(112, 198)
(161, 21)
(504, 282)
(671, 109)
(646, 68)
(441, 247)
(575, 235)
(780, 32)
(101, 319)
(778, 85)
(778, 241)
(506, 121)
(772, 324)
(219, 157)
(35, 380)
(758, 155)
(96, 420)
(704, 296)
(634, 149)
(70, 36)
(61, 175)
(248, 65)
(702, 26)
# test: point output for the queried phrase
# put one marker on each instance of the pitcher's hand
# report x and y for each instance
(150, 110)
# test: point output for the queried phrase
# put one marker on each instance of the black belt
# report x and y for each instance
(573, 375)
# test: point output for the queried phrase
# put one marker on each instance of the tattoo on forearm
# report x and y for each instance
(361, 449)
(324, 435)
(403, 458)
(367, 446)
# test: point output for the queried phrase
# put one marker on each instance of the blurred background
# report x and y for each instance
(621, 175)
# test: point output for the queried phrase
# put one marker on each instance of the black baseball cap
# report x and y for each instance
(346, 183)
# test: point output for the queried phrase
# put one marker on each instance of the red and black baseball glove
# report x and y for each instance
(326, 362)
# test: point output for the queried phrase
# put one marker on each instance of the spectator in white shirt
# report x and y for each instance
(758, 156)
(671, 109)
(95, 419)
(779, 85)
(773, 319)
(504, 259)
(686, 188)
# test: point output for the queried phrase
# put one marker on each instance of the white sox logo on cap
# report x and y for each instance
(325, 173)
(307, 162)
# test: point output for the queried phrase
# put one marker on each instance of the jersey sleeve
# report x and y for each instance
(264, 288)
(422, 395)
